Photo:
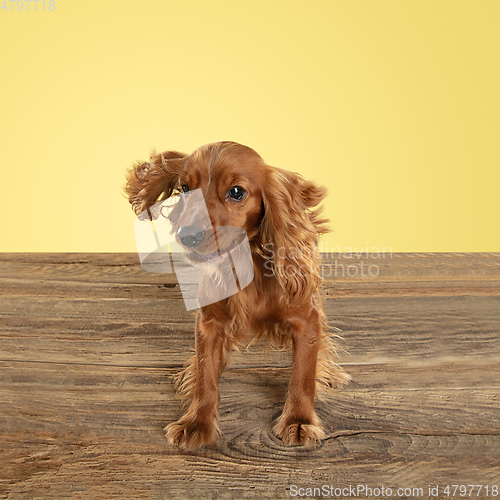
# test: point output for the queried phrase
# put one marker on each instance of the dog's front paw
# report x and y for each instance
(190, 434)
(293, 432)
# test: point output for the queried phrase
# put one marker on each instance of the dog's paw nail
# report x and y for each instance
(298, 434)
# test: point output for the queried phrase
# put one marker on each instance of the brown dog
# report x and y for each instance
(282, 303)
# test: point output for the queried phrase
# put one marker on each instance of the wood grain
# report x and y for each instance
(89, 342)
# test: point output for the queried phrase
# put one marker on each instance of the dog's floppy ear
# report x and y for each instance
(290, 229)
(148, 181)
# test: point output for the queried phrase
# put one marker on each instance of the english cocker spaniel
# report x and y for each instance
(277, 210)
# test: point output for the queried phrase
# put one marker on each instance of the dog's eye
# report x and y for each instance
(236, 193)
(185, 188)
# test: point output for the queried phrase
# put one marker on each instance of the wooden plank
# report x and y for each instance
(88, 346)
(374, 329)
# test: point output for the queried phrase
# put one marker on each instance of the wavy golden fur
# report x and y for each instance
(279, 212)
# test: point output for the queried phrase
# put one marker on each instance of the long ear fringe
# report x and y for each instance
(290, 229)
(146, 181)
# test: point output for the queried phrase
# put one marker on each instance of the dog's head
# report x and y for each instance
(226, 181)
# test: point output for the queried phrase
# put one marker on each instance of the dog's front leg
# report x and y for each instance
(299, 423)
(199, 425)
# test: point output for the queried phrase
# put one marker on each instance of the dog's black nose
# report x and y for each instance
(191, 236)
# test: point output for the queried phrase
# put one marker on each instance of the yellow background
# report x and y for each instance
(393, 105)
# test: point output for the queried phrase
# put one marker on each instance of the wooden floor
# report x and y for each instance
(88, 344)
